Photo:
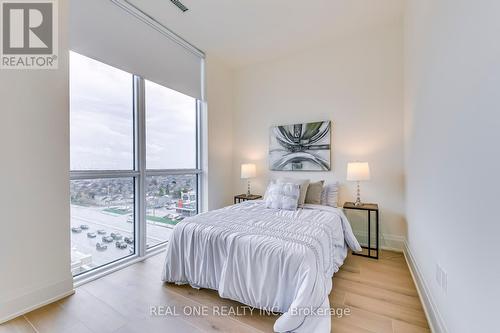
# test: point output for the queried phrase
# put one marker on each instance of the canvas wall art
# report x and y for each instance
(300, 147)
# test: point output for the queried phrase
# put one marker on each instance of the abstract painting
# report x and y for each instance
(300, 147)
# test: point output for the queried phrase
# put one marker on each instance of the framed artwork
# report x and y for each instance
(300, 147)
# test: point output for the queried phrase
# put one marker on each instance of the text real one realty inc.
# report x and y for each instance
(203, 310)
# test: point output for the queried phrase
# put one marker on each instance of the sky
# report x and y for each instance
(101, 104)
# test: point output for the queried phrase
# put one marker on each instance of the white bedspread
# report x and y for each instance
(270, 259)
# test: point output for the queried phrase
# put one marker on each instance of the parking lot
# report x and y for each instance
(98, 219)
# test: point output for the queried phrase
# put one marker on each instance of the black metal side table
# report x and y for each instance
(243, 197)
(369, 208)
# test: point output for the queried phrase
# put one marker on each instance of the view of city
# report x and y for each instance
(103, 221)
(102, 216)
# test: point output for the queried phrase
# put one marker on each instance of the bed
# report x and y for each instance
(277, 260)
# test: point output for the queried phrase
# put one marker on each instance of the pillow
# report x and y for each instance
(330, 195)
(313, 194)
(303, 183)
(283, 196)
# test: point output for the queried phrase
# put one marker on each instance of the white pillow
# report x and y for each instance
(303, 183)
(282, 196)
(330, 195)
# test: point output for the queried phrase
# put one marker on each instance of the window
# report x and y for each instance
(102, 222)
(170, 128)
(134, 163)
(169, 200)
(101, 102)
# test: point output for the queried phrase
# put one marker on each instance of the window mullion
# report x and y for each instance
(199, 156)
(95, 174)
(140, 163)
(172, 172)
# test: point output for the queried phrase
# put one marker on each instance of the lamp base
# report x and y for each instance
(358, 198)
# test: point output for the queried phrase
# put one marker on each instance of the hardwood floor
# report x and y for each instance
(379, 294)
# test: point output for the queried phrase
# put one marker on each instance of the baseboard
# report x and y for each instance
(434, 318)
(387, 241)
(35, 299)
(392, 242)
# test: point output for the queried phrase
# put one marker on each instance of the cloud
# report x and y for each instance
(102, 120)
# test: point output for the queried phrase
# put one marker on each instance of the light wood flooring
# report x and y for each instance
(380, 294)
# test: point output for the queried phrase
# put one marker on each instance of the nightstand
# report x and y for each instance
(369, 208)
(243, 197)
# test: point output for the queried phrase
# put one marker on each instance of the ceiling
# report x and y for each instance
(242, 32)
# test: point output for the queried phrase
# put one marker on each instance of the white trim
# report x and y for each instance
(111, 268)
(145, 18)
(41, 297)
(392, 242)
(434, 318)
(387, 241)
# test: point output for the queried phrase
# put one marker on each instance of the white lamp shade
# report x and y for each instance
(357, 171)
(248, 170)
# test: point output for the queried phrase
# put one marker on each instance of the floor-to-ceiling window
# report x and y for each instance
(134, 163)
(171, 148)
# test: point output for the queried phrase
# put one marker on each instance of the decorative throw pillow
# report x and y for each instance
(313, 194)
(282, 196)
(330, 195)
(266, 193)
(303, 183)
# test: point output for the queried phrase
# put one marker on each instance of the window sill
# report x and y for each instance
(116, 266)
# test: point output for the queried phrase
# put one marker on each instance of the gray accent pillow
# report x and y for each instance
(313, 194)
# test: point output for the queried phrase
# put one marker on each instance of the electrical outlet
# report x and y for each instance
(438, 275)
(444, 280)
(441, 278)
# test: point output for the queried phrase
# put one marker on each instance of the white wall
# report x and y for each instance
(219, 82)
(356, 82)
(34, 139)
(452, 156)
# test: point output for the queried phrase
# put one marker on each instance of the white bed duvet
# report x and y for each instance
(276, 260)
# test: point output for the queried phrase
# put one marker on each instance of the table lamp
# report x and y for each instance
(248, 170)
(358, 171)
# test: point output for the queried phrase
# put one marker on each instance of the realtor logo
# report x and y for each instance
(29, 34)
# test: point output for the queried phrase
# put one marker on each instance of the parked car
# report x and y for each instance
(116, 236)
(129, 240)
(84, 226)
(91, 235)
(102, 232)
(121, 245)
(101, 247)
(76, 230)
(107, 239)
